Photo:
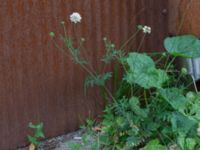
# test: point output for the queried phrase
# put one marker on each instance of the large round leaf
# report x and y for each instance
(142, 71)
(184, 46)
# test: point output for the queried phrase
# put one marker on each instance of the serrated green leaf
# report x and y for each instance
(104, 139)
(134, 102)
(174, 97)
(35, 126)
(32, 140)
(142, 71)
(186, 143)
(154, 145)
(183, 124)
(135, 107)
(98, 80)
(74, 146)
(190, 143)
(184, 46)
(75, 52)
(133, 141)
(31, 125)
(109, 56)
(39, 133)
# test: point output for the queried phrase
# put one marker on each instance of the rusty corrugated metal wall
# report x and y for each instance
(37, 82)
(188, 17)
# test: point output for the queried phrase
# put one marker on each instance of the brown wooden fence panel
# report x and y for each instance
(37, 82)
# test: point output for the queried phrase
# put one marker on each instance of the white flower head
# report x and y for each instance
(75, 17)
(146, 29)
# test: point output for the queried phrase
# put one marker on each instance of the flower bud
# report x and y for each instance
(51, 34)
(83, 39)
(184, 71)
(105, 39)
(112, 45)
(62, 22)
(191, 95)
(164, 54)
(140, 27)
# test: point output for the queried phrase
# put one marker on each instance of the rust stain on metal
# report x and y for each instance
(38, 83)
(188, 17)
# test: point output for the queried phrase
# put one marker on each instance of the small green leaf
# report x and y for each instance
(184, 46)
(154, 145)
(32, 140)
(135, 107)
(74, 146)
(186, 143)
(38, 132)
(104, 139)
(190, 143)
(31, 125)
(134, 102)
(183, 124)
(174, 97)
(35, 126)
(98, 80)
(75, 52)
(133, 141)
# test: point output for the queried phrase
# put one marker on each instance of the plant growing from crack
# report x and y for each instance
(38, 134)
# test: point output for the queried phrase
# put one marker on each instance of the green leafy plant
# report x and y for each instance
(153, 105)
(38, 133)
(74, 146)
(185, 46)
(153, 145)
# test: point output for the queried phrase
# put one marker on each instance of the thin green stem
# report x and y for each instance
(91, 74)
(131, 38)
(59, 48)
(131, 90)
(65, 31)
(179, 77)
(191, 83)
(161, 57)
(145, 98)
(109, 93)
(184, 15)
(170, 63)
(141, 42)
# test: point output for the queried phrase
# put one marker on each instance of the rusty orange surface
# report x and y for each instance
(38, 83)
(188, 17)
